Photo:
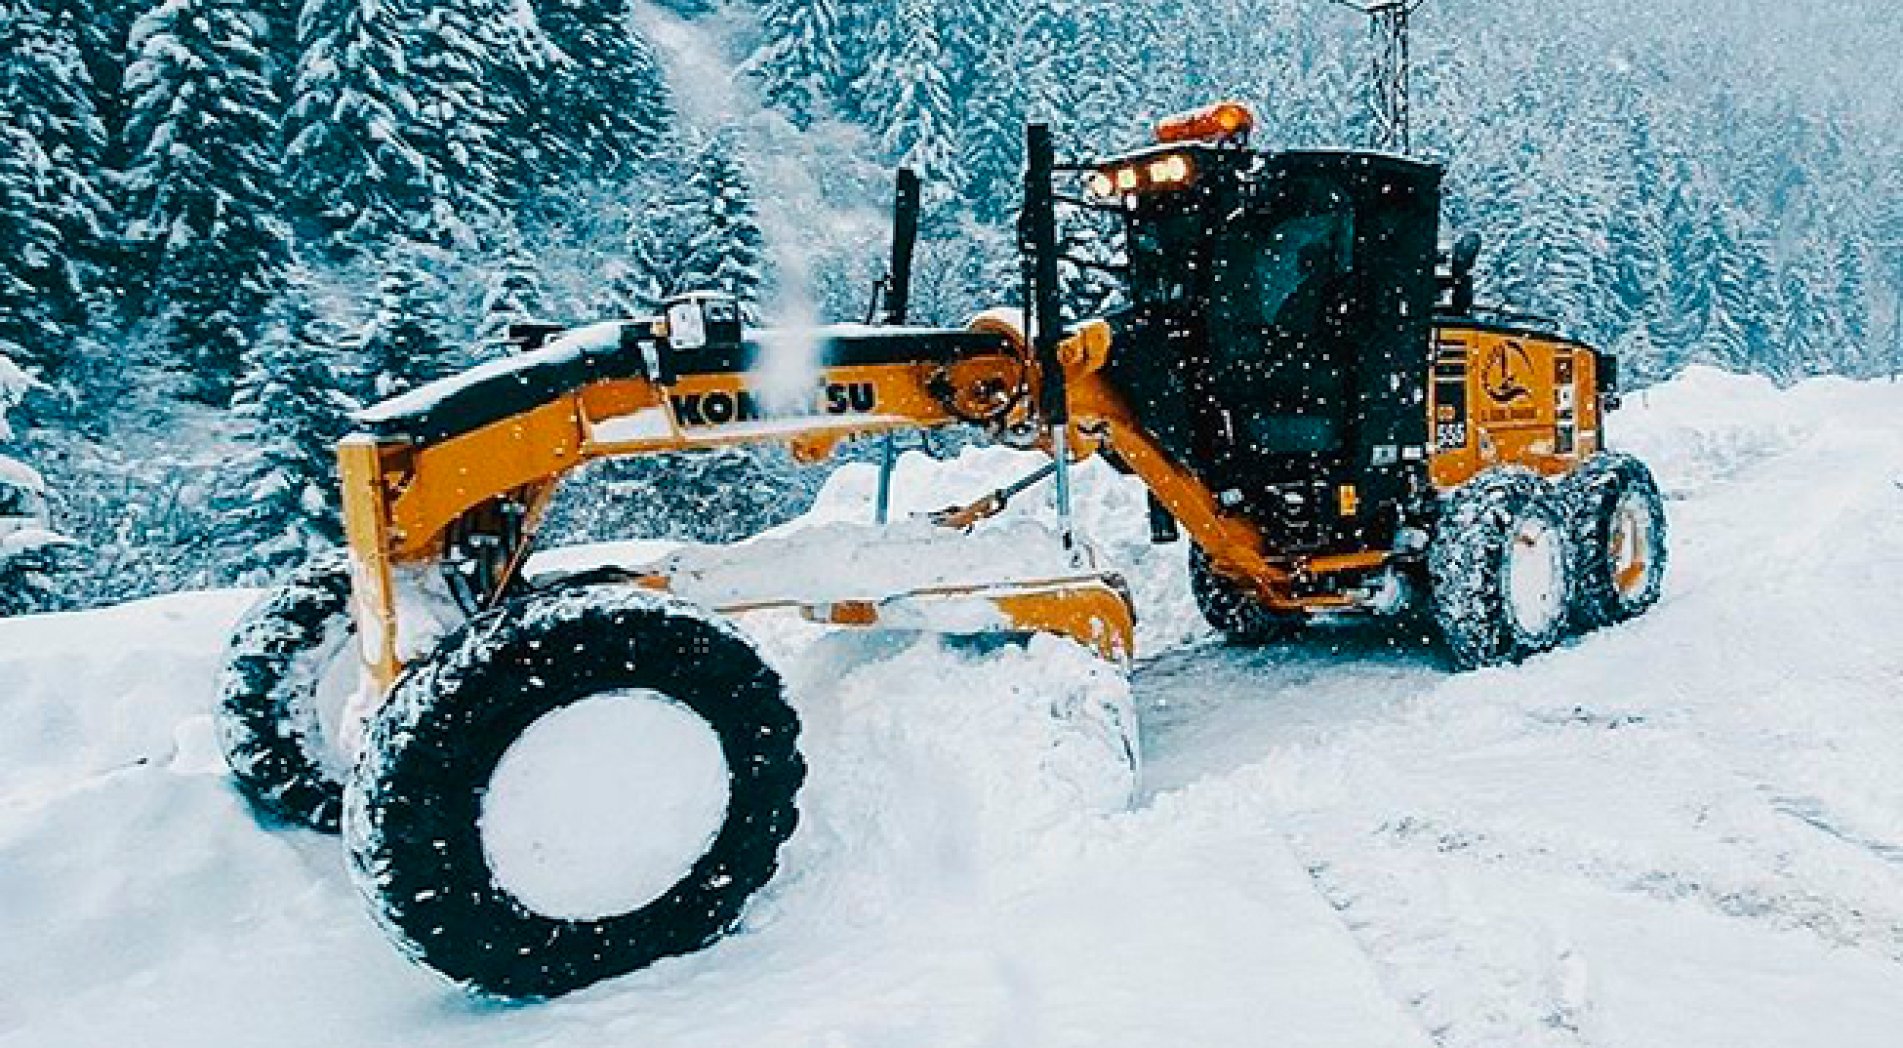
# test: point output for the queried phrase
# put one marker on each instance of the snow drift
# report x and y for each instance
(1687, 831)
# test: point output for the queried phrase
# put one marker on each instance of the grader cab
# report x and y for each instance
(1299, 379)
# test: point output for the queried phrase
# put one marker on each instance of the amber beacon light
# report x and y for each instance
(1226, 122)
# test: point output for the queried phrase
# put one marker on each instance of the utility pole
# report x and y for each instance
(1388, 84)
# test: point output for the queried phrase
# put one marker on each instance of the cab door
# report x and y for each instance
(1280, 378)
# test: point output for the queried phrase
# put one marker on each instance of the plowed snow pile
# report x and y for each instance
(1685, 832)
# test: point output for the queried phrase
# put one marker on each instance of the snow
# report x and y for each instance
(15, 473)
(644, 424)
(1685, 831)
(600, 807)
(841, 561)
(569, 346)
(18, 541)
(1535, 575)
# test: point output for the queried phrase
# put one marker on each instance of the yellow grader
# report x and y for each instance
(1301, 378)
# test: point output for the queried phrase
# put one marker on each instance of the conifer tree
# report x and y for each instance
(52, 170)
(284, 507)
(15, 384)
(514, 295)
(405, 344)
(98, 29)
(661, 229)
(1637, 250)
(1796, 353)
(991, 121)
(727, 250)
(607, 101)
(1851, 297)
(1727, 292)
(798, 65)
(1048, 34)
(465, 111)
(907, 87)
(348, 154)
(202, 184)
(38, 289)
(45, 78)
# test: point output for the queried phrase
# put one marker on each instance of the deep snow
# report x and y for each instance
(1687, 831)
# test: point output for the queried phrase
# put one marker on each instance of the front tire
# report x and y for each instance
(571, 789)
(1235, 612)
(1501, 568)
(288, 674)
(1619, 536)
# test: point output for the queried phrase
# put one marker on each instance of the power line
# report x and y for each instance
(1393, 67)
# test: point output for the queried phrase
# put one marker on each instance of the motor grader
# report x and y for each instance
(1301, 377)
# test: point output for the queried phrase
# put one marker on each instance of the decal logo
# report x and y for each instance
(1507, 376)
(721, 408)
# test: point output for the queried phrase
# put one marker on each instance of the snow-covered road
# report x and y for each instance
(1685, 832)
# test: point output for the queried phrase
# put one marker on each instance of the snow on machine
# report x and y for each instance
(1302, 380)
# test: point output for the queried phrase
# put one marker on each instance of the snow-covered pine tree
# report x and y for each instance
(466, 106)
(1726, 291)
(15, 383)
(29, 551)
(37, 286)
(798, 64)
(202, 187)
(514, 295)
(1046, 37)
(405, 344)
(98, 29)
(1886, 231)
(44, 75)
(991, 118)
(55, 210)
(663, 223)
(1796, 352)
(1565, 222)
(1090, 290)
(908, 88)
(606, 103)
(1851, 297)
(283, 506)
(281, 37)
(348, 154)
(1637, 253)
(727, 251)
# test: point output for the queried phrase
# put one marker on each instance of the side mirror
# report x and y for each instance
(1466, 255)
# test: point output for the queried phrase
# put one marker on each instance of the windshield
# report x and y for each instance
(1296, 269)
(1163, 257)
(1284, 276)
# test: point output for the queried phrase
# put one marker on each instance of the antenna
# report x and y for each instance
(1388, 87)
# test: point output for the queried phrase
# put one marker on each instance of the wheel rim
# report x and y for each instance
(1630, 547)
(602, 806)
(1536, 577)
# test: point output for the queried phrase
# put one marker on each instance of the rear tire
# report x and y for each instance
(1235, 612)
(421, 807)
(276, 690)
(1619, 535)
(1501, 569)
